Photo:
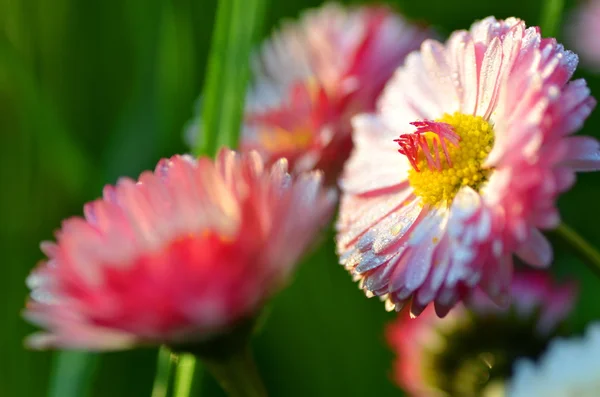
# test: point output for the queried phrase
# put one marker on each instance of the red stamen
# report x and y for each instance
(409, 147)
(410, 143)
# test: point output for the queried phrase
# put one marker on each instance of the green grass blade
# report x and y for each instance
(551, 17)
(164, 368)
(235, 28)
(72, 374)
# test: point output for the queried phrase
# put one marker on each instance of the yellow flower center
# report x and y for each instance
(278, 139)
(296, 132)
(449, 157)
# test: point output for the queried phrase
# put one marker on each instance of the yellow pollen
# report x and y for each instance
(440, 186)
(278, 139)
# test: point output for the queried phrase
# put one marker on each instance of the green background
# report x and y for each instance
(92, 90)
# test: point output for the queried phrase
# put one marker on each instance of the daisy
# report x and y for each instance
(472, 350)
(461, 166)
(186, 252)
(312, 76)
(570, 367)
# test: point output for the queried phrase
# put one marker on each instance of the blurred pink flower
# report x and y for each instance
(181, 254)
(311, 77)
(582, 32)
(538, 307)
(461, 166)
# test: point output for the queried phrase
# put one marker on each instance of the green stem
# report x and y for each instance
(551, 15)
(580, 246)
(237, 374)
(186, 374)
(164, 368)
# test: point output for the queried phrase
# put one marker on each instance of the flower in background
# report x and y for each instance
(311, 77)
(180, 255)
(570, 367)
(473, 350)
(461, 166)
(582, 31)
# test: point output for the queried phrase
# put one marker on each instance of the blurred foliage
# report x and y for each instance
(91, 90)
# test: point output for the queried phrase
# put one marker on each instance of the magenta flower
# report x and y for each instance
(313, 76)
(461, 166)
(178, 256)
(477, 347)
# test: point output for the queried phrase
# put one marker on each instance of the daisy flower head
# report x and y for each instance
(461, 166)
(313, 75)
(185, 253)
(570, 367)
(472, 350)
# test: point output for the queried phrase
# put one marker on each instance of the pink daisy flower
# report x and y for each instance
(183, 253)
(311, 77)
(582, 31)
(461, 166)
(473, 349)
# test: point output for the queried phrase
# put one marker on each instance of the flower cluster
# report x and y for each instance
(449, 157)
